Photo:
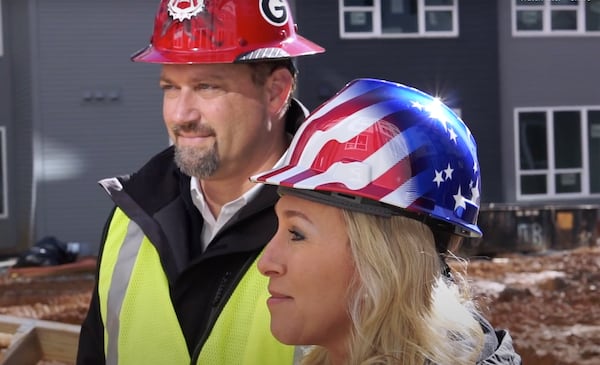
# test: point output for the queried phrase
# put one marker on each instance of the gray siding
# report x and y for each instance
(6, 224)
(542, 72)
(77, 110)
(463, 70)
(98, 115)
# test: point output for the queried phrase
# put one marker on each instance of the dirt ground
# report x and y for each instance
(549, 302)
(63, 298)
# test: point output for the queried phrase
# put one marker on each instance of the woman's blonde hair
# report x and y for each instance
(404, 310)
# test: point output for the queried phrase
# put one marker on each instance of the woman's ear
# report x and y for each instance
(279, 88)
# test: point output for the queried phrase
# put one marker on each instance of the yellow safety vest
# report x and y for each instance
(140, 324)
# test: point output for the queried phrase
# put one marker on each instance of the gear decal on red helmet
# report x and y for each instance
(185, 9)
(274, 11)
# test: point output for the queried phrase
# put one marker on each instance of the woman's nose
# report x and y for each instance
(270, 262)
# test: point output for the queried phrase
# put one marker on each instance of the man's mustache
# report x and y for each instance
(192, 128)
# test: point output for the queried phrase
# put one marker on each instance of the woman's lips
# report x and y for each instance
(278, 298)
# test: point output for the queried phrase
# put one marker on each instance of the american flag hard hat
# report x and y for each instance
(391, 144)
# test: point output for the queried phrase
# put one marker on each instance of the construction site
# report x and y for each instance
(549, 301)
(521, 74)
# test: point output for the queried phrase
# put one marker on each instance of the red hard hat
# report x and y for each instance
(224, 31)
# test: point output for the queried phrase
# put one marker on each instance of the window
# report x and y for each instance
(398, 18)
(3, 175)
(556, 17)
(557, 151)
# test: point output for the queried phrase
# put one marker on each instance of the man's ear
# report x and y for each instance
(279, 88)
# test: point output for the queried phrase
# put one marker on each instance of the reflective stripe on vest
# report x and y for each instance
(140, 324)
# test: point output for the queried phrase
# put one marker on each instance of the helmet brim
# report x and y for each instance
(297, 46)
(281, 177)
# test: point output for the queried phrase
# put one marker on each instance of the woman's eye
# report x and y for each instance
(295, 235)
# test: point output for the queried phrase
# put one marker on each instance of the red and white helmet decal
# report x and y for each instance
(184, 9)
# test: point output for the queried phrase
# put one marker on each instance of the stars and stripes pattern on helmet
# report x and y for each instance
(389, 143)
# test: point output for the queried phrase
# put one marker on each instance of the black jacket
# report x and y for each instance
(158, 199)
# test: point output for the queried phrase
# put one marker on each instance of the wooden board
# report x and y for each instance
(36, 340)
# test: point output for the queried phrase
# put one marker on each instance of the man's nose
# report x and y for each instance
(186, 107)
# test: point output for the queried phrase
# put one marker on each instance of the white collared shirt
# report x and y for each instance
(211, 225)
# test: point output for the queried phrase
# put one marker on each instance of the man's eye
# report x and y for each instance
(205, 87)
(295, 235)
(209, 90)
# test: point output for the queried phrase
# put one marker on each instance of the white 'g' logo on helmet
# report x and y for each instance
(274, 11)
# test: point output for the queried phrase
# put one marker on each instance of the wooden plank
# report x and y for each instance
(25, 348)
(35, 340)
(59, 343)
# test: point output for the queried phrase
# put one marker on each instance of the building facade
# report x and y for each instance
(523, 75)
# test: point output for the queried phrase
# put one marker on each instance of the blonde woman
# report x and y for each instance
(376, 186)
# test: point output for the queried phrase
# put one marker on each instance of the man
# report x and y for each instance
(177, 279)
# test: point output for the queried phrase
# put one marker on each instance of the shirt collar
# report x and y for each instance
(236, 204)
